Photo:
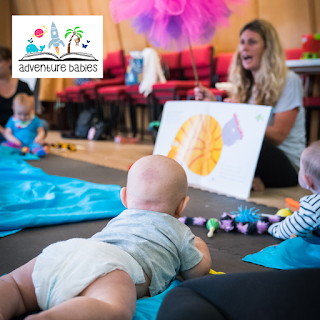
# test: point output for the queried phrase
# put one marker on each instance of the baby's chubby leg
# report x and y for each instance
(112, 296)
(17, 294)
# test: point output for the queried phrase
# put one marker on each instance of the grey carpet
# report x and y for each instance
(227, 249)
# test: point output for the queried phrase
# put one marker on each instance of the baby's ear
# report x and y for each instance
(310, 182)
(182, 205)
(123, 196)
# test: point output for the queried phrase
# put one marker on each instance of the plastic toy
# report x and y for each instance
(310, 46)
(212, 225)
(197, 221)
(293, 203)
(63, 145)
(284, 212)
(215, 272)
(247, 221)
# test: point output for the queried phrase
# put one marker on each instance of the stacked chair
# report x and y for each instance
(112, 92)
(178, 89)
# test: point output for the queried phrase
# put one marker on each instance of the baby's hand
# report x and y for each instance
(38, 140)
(17, 142)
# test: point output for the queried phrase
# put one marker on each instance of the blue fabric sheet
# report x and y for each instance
(15, 154)
(147, 309)
(296, 253)
(29, 197)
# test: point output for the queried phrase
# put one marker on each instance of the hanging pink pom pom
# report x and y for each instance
(170, 24)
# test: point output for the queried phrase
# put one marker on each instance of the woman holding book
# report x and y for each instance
(259, 75)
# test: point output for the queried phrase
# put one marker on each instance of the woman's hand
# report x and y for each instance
(231, 100)
(204, 94)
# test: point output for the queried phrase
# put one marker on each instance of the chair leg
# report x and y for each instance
(142, 122)
(133, 118)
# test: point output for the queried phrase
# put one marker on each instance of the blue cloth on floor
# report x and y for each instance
(295, 253)
(148, 308)
(29, 197)
(15, 154)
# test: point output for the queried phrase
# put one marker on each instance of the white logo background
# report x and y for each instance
(23, 29)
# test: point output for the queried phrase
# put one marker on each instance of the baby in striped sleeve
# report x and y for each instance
(307, 218)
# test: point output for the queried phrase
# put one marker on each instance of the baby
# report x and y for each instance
(24, 129)
(307, 218)
(137, 254)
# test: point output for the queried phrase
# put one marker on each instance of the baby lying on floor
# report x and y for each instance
(137, 254)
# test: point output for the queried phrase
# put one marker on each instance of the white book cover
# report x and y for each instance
(218, 144)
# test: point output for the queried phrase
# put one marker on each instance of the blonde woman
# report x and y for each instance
(259, 76)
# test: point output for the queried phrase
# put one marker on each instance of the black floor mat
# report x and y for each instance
(227, 249)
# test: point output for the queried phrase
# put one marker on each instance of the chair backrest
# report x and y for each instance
(293, 54)
(203, 60)
(115, 64)
(172, 59)
(222, 64)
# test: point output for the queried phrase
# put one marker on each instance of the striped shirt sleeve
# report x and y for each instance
(300, 222)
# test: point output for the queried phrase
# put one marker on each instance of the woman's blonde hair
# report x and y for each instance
(270, 80)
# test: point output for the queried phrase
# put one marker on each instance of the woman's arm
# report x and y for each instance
(283, 123)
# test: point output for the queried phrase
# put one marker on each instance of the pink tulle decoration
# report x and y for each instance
(171, 24)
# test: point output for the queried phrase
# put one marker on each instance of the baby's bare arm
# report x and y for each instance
(17, 295)
(203, 267)
(40, 135)
(10, 137)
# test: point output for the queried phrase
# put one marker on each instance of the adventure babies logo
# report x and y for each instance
(57, 46)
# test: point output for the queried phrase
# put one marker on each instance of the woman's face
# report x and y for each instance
(4, 67)
(251, 49)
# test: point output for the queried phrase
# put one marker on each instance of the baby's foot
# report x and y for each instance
(257, 184)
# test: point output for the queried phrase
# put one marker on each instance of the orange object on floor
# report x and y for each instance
(293, 203)
(119, 139)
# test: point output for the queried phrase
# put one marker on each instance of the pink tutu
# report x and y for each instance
(170, 24)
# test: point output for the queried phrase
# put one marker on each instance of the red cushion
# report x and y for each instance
(172, 59)
(105, 82)
(223, 64)
(117, 71)
(203, 73)
(311, 102)
(293, 54)
(202, 56)
(115, 59)
(178, 84)
(133, 88)
(112, 90)
(73, 89)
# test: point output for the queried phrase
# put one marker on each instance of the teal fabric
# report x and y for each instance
(15, 154)
(147, 309)
(295, 253)
(29, 198)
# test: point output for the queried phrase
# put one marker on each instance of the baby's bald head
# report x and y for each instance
(156, 183)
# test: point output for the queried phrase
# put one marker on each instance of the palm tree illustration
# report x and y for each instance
(75, 33)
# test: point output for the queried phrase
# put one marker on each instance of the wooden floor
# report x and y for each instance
(121, 156)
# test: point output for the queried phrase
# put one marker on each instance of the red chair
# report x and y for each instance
(293, 54)
(172, 62)
(178, 89)
(220, 67)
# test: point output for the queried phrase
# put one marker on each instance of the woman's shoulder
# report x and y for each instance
(293, 79)
(23, 87)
